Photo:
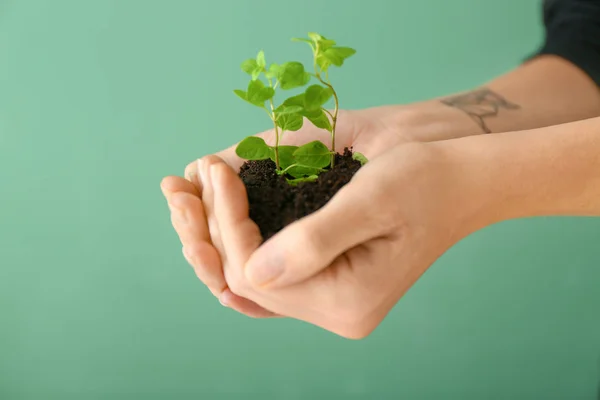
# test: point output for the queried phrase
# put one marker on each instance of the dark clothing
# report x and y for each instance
(573, 33)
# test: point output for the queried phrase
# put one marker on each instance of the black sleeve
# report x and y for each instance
(573, 32)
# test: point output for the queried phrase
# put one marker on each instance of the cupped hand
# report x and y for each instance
(345, 266)
(370, 131)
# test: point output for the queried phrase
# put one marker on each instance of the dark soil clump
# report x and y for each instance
(274, 203)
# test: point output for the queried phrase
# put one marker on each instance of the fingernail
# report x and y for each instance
(213, 172)
(191, 172)
(192, 176)
(201, 171)
(224, 298)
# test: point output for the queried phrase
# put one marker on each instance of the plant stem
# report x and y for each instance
(335, 98)
(276, 135)
(333, 117)
(299, 165)
(273, 118)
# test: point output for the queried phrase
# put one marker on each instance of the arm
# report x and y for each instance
(547, 90)
(552, 171)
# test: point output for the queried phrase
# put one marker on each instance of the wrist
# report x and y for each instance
(428, 121)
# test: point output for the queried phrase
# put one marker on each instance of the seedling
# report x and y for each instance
(306, 162)
(325, 54)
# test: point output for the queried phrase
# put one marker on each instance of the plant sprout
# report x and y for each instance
(326, 54)
(306, 162)
(287, 76)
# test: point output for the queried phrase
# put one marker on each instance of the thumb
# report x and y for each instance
(312, 243)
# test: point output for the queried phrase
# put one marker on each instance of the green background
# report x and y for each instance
(101, 99)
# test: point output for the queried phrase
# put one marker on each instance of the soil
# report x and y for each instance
(274, 203)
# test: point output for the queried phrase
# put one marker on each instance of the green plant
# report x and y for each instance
(301, 163)
(325, 54)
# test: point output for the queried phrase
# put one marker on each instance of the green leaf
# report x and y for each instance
(337, 55)
(260, 59)
(288, 162)
(306, 78)
(315, 96)
(301, 40)
(319, 119)
(286, 156)
(315, 36)
(359, 157)
(300, 171)
(249, 66)
(317, 41)
(296, 181)
(285, 109)
(290, 122)
(326, 44)
(256, 74)
(258, 93)
(253, 148)
(316, 117)
(322, 62)
(273, 71)
(310, 42)
(241, 94)
(297, 100)
(253, 68)
(313, 154)
(344, 52)
(292, 75)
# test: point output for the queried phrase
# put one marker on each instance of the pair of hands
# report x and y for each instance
(344, 267)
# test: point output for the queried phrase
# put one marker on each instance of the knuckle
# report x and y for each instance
(193, 257)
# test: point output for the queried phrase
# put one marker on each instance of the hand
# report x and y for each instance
(345, 266)
(371, 131)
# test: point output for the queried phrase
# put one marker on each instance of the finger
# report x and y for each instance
(205, 260)
(172, 184)
(191, 174)
(187, 217)
(238, 303)
(240, 234)
(245, 306)
(312, 243)
(189, 221)
(204, 165)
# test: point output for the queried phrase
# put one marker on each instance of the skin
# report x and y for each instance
(427, 186)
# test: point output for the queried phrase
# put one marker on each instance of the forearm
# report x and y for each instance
(542, 92)
(552, 171)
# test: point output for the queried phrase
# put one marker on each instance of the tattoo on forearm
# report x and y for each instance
(480, 104)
